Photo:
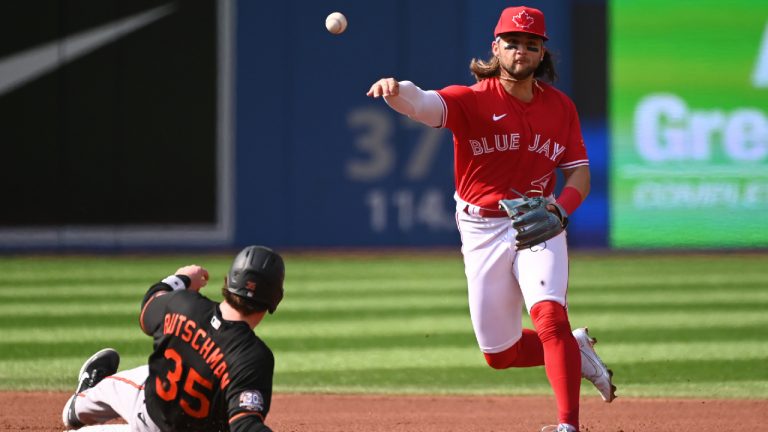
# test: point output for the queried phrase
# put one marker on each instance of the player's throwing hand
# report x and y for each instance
(384, 87)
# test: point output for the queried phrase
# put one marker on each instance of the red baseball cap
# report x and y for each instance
(521, 19)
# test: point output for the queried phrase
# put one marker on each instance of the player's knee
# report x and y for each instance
(503, 359)
(494, 360)
(550, 320)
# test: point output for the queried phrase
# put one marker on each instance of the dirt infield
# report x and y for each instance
(39, 411)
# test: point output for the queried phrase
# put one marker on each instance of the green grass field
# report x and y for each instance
(668, 325)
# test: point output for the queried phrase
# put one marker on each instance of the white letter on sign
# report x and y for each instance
(760, 76)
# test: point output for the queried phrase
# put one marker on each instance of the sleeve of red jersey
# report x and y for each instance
(457, 102)
(575, 151)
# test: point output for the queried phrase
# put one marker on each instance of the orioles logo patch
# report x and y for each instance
(523, 20)
(252, 400)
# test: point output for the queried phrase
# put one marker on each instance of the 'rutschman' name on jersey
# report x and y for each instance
(187, 330)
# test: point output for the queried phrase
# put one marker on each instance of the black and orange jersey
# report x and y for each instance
(205, 373)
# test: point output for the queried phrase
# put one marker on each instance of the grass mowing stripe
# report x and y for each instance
(109, 314)
(57, 374)
(300, 321)
(672, 377)
(84, 289)
(290, 306)
(674, 296)
(622, 281)
(69, 298)
(723, 329)
(643, 285)
(662, 321)
(599, 323)
(299, 383)
(722, 389)
(44, 335)
(31, 351)
(66, 311)
(133, 294)
(103, 284)
(367, 303)
(693, 308)
(646, 357)
(420, 380)
(671, 372)
(694, 370)
(269, 328)
(626, 361)
(619, 353)
(714, 337)
(713, 334)
(353, 285)
(23, 350)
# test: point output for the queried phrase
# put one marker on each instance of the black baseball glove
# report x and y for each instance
(533, 222)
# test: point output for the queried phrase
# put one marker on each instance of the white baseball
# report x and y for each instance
(336, 23)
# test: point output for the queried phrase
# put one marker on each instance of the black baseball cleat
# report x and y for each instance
(100, 365)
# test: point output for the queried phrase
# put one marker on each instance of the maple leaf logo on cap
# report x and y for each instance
(523, 20)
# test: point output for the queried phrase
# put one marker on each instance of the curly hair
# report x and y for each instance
(488, 69)
(242, 304)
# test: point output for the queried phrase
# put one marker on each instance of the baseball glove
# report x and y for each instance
(533, 222)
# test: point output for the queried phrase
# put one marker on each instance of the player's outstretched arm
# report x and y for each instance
(408, 99)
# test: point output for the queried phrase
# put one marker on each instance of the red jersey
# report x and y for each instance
(501, 143)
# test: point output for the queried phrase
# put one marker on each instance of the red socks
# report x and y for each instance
(562, 358)
(553, 346)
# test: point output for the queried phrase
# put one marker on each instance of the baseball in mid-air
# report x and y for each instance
(336, 23)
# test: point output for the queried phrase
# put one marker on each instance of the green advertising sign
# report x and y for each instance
(689, 123)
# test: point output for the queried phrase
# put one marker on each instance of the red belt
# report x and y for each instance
(487, 213)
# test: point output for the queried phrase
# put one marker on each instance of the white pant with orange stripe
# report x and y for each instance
(118, 396)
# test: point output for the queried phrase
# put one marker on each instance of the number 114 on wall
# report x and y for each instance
(409, 209)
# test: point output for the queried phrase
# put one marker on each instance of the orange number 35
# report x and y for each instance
(168, 390)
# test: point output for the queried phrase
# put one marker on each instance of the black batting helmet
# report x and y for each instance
(257, 274)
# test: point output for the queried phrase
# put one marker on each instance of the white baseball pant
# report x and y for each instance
(118, 396)
(500, 279)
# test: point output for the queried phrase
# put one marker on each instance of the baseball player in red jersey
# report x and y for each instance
(510, 132)
(208, 370)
